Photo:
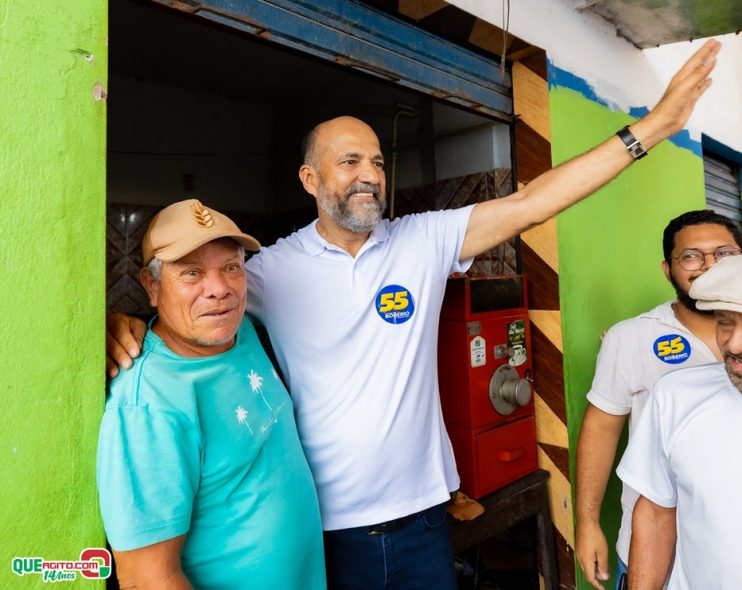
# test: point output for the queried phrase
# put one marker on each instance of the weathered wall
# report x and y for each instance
(52, 167)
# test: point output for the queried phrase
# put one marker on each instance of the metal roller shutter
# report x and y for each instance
(722, 186)
(354, 35)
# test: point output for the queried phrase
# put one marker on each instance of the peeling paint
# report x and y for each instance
(86, 55)
(559, 77)
(99, 93)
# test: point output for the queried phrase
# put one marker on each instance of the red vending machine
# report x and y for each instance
(484, 371)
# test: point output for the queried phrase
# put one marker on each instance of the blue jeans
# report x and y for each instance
(621, 569)
(417, 555)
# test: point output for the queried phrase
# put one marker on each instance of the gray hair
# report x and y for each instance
(155, 265)
(155, 269)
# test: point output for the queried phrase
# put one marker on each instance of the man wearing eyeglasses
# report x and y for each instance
(682, 459)
(634, 354)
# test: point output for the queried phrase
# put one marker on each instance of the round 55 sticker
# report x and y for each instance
(395, 304)
(672, 349)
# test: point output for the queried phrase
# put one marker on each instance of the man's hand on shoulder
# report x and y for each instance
(124, 337)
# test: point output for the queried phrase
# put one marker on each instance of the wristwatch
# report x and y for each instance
(633, 145)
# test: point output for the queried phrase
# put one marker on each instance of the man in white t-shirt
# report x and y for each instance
(351, 303)
(634, 354)
(683, 461)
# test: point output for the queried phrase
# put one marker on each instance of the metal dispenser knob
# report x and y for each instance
(508, 390)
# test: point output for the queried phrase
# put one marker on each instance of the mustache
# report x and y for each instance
(363, 187)
(730, 355)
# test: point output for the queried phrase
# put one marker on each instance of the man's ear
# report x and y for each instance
(666, 270)
(308, 177)
(150, 285)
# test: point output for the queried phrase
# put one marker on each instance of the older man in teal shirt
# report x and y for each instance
(203, 482)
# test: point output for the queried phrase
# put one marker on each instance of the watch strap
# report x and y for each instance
(633, 145)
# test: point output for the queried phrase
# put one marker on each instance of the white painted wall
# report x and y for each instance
(719, 115)
(587, 46)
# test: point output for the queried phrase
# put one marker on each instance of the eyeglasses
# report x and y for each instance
(695, 259)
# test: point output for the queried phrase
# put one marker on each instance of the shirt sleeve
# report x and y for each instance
(611, 390)
(255, 288)
(148, 474)
(448, 227)
(645, 466)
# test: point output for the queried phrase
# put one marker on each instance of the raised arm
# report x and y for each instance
(497, 220)
(653, 534)
(155, 567)
(596, 450)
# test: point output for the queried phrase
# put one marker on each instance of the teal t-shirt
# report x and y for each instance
(207, 447)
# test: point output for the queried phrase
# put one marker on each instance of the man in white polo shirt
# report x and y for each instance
(683, 459)
(351, 304)
(634, 354)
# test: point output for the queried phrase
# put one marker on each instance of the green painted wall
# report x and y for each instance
(610, 249)
(52, 198)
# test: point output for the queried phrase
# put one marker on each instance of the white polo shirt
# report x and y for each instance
(634, 354)
(684, 454)
(356, 339)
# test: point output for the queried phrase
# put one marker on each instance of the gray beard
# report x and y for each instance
(735, 378)
(214, 341)
(361, 219)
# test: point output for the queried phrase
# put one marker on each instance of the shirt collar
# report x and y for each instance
(665, 314)
(315, 244)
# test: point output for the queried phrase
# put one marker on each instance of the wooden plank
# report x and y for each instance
(548, 373)
(549, 428)
(542, 239)
(543, 281)
(531, 99)
(560, 498)
(532, 152)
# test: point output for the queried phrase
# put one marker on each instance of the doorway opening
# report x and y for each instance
(201, 110)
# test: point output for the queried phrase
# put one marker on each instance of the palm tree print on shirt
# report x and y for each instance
(256, 383)
(241, 414)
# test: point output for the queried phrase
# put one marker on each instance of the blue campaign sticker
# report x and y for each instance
(672, 349)
(395, 304)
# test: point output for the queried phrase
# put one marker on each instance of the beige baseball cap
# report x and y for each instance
(720, 287)
(182, 227)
